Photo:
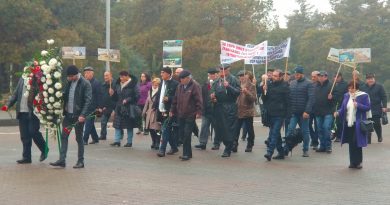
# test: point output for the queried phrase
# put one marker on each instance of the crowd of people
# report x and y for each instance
(167, 107)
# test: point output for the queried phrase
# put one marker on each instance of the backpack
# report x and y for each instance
(292, 140)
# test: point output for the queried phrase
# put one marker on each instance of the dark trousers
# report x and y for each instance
(29, 131)
(104, 121)
(90, 129)
(355, 152)
(248, 122)
(68, 121)
(226, 124)
(168, 134)
(186, 126)
(155, 137)
(377, 127)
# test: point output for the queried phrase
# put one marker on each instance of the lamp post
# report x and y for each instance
(108, 15)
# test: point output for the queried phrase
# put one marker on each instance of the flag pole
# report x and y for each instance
(334, 82)
(286, 69)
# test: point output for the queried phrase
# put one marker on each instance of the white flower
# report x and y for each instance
(25, 69)
(50, 41)
(46, 100)
(44, 53)
(58, 94)
(45, 68)
(24, 76)
(59, 64)
(48, 76)
(49, 118)
(57, 75)
(43, 79)
(57, 105)
(58, 86)
(28, 87)
(36, 97)
(57, 112)
(49, 106)
(45, 94)
(45, 86)
(49, 81)
(53, 62)
(51, 111)
(42, 63)
(50, 90)
(51, 99)
(26, 94)
(43, 112)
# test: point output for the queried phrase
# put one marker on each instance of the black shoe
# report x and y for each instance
(200, 146)
(234, 148)
(146, 133)
(42, 157)
(138, 132)
(215, 147)
(161, 154)
(268, 157)
(24, 161)
(172, 151)
(102, 138)
(225, 154)
(184, 158)
(266, 142)
(380, 139)
(94, 142)
(118, 144)
(279, 156)
(128, 145)
(58, 163)
(248, 149)
(321, 150)
(152, 146)
(243, 138)
(78, 165)
(329, 151)
(354, 166)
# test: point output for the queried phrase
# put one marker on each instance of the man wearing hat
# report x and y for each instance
(186, 106)
(207, 113)
(77, 101)
(224, 95)
(164, 97)
(302, 100)
(96, 104)
(323, 111)
(378, 99)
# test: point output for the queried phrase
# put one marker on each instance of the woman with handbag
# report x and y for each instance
(150, 115)
(126, 96)
(144, 87)
(354, 112)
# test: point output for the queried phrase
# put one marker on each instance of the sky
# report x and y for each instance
(287, 7)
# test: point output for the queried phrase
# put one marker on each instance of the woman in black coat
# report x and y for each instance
(125, 94)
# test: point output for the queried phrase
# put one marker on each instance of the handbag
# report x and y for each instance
(385, 120)
(366, 126)
(134, 111)
(265, 118)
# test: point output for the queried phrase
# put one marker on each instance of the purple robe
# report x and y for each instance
(363, 105)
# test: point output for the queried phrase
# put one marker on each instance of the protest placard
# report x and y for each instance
(113, 55)
(172, 53)
(241, 52)
(73, 52)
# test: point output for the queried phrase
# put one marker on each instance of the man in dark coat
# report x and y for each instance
(108, 104)
(207, 112)
(77, 101)
(224, 95)
(89, 127)
(163, 104)
(323, 111)
(277, 102)
(340, 88)
(28, 123)
(186, 106)
(378, 99)
(302, 100)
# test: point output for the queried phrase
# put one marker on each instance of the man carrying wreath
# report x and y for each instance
(77, 99)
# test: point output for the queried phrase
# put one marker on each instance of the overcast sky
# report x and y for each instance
(286, 7)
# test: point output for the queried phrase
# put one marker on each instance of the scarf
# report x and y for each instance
(125, 83)
(154, 91)
(351, 110)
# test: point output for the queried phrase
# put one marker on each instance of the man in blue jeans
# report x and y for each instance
(302, 100)
(277, 103)
(323, 111)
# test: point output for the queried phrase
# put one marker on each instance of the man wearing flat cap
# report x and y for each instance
(96, 104)
(323, 109)
(207, 112)
(77, 101)
(186, 106)
(164, 97)
(224, 95)
(301, 101)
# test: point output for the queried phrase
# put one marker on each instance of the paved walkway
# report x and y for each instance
(137, 176)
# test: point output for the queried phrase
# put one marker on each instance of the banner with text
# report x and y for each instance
(240, 52)
(274, 53)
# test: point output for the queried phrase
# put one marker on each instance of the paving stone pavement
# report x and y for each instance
(137, 176)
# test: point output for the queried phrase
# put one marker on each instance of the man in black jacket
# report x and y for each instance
(277, 103)
(164, 97)
(323, 111)
(77, 100)
(378, 99)
(108, 104)
(28, 123)
(340, 88)
(89, 128)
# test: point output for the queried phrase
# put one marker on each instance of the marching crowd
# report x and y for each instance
(166, 109)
